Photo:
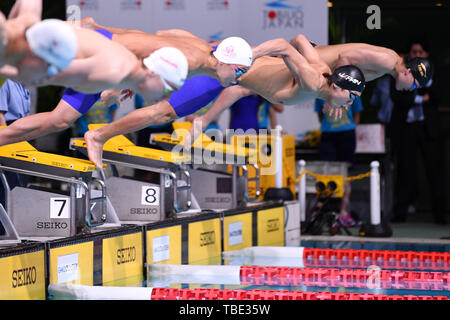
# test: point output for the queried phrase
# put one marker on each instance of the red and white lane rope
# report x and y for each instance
(111, 293)
(372, 278)
(346, 258)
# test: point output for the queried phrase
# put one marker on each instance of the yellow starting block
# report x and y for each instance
(220, 179)
(25, 156)
(41, 212)
(203, 147)
(120, 148)
(138, 199)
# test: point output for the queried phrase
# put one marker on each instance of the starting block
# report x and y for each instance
(220, 177)
(42, 212)
(142, 200)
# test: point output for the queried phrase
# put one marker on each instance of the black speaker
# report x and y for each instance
(277, 194)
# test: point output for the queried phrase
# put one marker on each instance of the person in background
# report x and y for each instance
(101, 112)
(253, 112)
(415, 125)
(213, 128)
(338, 143)
(15, 103)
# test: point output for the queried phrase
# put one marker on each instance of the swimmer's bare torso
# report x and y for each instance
(100, 64)
(271, 78)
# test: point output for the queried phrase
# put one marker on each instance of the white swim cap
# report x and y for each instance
(234, 50)
(53, 41)
(170, 64)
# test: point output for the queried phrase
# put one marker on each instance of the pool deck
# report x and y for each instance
(418, 229)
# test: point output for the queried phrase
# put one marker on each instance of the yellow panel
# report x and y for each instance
(164, 246)
(2, 81)
(72, 264)
(266, 162)
(122, 258)
(271, 227)
(182, 125)
(22, 277)
(237, 232)
(204, 241)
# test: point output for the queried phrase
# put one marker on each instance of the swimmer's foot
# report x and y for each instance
(94, 148)
(88, 23)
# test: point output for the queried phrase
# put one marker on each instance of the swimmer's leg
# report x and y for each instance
(159, 113)
(90, 23)
(39, 124)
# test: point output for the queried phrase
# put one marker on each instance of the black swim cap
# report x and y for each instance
(421, 70)
(349, 77)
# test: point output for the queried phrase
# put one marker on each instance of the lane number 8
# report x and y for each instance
(150, 196)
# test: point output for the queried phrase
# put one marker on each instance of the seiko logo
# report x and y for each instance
(207, 238)
(349, 78)
(23, 277)
(273, 225)
(51, 225)
(217, 200)
(126, 255)
(144, 211)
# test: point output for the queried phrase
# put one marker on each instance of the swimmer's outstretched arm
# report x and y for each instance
(302, 44)
(90, 23)
(306, 72)
(226, 99)
(374, 61)
(175, 33)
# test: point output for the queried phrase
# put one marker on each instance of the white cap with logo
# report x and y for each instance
(55, 42)
(234, 50)
(170, 64)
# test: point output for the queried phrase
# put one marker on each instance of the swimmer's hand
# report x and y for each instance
(337, 112)
(126, 94)
(115, 96)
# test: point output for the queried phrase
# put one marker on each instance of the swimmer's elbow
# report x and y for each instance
(298, 40)
(346, 58)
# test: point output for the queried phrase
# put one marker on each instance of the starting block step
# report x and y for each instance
(24, 156)
(122, 149)
(52, 213)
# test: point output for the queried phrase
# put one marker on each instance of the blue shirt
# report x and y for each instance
(15, 100)
(346, 123)
(244, 113)
(263, 115)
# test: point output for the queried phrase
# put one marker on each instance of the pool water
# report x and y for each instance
(319, 271)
